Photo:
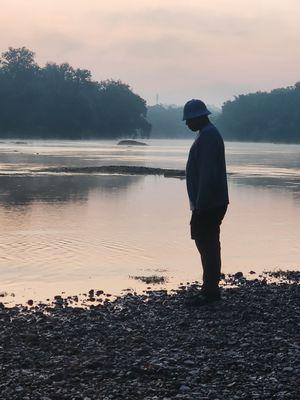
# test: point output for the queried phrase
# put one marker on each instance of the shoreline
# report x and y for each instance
(152, 346)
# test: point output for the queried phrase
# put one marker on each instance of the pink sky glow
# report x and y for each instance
(206, 49)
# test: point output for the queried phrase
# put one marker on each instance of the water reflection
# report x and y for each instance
(275, 183)
(23, 190)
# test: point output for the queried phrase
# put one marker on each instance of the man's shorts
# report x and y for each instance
(207, 222)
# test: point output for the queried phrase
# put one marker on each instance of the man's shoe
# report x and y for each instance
(216, 293)
(198, 300)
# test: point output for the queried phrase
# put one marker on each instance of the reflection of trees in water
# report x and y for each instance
(282, 184)
(23, 190)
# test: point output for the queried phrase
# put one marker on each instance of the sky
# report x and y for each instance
(212, 50)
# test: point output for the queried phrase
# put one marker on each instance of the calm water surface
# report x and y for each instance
(71, 232)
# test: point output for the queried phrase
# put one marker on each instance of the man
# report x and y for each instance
(207, 189)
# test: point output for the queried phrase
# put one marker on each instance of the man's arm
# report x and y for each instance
(207, 161)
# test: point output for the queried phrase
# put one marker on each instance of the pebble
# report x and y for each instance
(238, 275)
(189, 363)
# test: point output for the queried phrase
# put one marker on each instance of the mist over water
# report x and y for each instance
(74, 232)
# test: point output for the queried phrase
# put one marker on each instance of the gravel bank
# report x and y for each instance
(152, 346)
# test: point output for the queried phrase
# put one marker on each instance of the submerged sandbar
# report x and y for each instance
(117, 169)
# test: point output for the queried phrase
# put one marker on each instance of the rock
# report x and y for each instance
(189, 363)
(184, 388)
(154, 279)
(238, 275)
(231, 384)
(131, 143)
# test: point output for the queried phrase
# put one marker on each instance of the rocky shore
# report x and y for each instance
(153, 346)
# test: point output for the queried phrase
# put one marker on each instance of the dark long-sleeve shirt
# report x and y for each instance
(206, 177)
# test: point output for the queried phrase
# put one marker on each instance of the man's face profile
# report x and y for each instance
(193, 124)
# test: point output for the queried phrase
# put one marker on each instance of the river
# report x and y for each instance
(74, 232)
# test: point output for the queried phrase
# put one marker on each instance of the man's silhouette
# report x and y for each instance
(206, 181)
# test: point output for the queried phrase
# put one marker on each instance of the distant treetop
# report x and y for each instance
(263, 116)
(58, 101)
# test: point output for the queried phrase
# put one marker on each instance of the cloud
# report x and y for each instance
(209, 22)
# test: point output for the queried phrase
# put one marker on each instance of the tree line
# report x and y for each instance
(58, 101)
(263, 116)
(255, 117)
(166, 121)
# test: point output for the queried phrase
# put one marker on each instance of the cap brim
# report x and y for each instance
(196, 115)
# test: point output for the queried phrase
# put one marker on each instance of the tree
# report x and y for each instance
(263, 116)
(18, 62)
(60, 101)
